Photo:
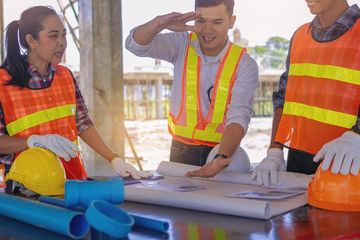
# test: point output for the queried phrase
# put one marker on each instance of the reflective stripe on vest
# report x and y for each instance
(322, 92)
(191, 128)
(342, 74)
(44, 111)
(222, 93)
(319, 114)
(40, 117)
(190, 97)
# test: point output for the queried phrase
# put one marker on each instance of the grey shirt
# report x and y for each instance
(172, 46)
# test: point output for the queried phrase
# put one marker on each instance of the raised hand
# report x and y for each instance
(177, 22)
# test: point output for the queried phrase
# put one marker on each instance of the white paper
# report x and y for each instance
(268, 194)
(210, 199)
(286, 180)
(210, 195)
(173, 185)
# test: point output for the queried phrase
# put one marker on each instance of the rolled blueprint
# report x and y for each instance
(215, 203)
(286, 180)
(212, 196)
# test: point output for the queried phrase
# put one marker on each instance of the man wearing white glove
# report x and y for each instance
(269, 167)
(316, 103)
(342, 153)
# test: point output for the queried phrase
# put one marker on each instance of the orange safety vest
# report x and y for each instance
(190, 126)
(43, 111)
(323, 90)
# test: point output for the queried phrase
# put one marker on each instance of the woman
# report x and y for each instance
(40, 102)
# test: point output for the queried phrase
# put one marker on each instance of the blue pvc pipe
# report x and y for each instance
(84, 192)
(107, 218)
(60, 202)
(13, 229)
(53, 218)
(150, 223)
(140, 221)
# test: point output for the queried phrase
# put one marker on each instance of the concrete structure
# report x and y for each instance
(101, 70)
(101, 67)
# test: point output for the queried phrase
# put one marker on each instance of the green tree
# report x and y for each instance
(272, 54)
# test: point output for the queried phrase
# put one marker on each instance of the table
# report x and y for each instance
(302, 223)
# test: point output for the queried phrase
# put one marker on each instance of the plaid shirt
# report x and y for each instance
(39, 81)
(344, 23)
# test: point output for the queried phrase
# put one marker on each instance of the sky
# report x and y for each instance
(258, 20)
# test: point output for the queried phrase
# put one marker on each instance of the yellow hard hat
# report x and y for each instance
(39, 170)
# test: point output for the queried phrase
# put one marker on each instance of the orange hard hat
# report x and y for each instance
(334, 191)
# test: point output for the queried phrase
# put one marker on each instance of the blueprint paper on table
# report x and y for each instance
(268, 194)
(173, 185)
(210, 194)
(286, 180)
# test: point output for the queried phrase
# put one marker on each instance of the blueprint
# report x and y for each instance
(217, 195)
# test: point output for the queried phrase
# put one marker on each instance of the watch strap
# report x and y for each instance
(220, 155)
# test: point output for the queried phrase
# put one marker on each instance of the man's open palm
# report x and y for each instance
(177, 21)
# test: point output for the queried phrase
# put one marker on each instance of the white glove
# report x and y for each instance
(343, 152)
(269, 167)
(125, 169)
(55, 143)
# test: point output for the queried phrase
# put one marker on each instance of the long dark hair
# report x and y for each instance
(15, 61)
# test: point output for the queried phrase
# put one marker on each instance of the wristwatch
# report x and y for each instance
(223, 156)
(220, 155)
(356, 127)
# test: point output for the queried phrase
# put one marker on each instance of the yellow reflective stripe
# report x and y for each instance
(183, 131)
(224, 84)
(193, 36)
(190, 98)
(341, 74)
(319, 114)
(191, 87)
(209, 133)
(40, 117)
